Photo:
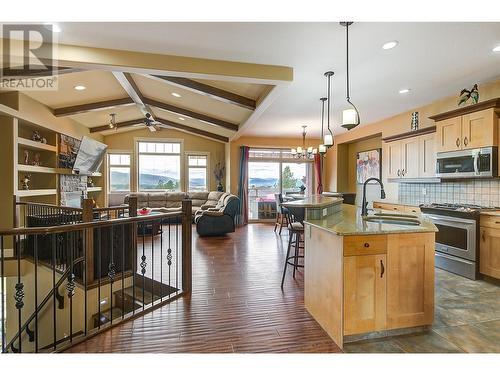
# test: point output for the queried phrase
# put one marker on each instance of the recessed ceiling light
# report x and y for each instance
(404, 91)
(496, 49)
(181, 118)
(176, 95)
(391, 44)
(79, 87)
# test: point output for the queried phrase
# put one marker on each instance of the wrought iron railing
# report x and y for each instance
(111, 270)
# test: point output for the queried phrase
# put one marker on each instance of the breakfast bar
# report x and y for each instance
(369, 276)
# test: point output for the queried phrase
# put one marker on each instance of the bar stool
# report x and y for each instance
(296, 232)
(281, 213)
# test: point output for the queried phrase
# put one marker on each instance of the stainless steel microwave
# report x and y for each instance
(475, 163)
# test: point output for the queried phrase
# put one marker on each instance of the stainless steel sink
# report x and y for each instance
(394, 219)
(395, 215)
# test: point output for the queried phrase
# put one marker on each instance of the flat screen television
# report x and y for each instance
(89, 157)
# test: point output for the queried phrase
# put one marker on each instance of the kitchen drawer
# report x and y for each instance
(413, 209)
(490, 221)
(365, 245)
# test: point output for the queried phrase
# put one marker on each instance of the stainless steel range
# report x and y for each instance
(457, 242)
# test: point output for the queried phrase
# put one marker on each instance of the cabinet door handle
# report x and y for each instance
(382, 268)
(458, 142)
(466, 141)
(482, 236)
(399, 173)
(367, 244)
(403, 172)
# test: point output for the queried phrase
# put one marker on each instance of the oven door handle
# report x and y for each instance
(444, 219)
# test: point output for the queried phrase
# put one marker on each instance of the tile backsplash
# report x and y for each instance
(479, 192)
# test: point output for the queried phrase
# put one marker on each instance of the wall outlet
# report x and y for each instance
(424, 191)
(325, 212)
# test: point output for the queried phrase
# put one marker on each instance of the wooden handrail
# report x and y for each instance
(92, 224)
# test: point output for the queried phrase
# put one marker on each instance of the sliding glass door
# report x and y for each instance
(272, 171)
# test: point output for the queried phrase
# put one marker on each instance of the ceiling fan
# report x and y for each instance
(150, 123)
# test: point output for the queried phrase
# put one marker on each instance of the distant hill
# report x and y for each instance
(148, 181)
(262, 182)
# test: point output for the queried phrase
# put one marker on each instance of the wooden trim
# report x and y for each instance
(89, 107)
(27, 72)
(410, 134)
(492, 103)
(190, 129)
(186, 112)
(211, 91)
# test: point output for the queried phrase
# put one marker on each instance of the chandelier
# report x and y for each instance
(302, 152)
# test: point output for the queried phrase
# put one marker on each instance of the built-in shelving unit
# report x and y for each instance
(94, 189)
(36, 192)
(32, 145)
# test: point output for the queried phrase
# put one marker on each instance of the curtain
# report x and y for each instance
(317, 171)
(242, 217)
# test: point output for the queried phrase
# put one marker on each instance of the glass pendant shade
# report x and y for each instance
(309, 150)
(314, 151)
(294, 151)
(328, 140)
(322, 149)
(299, 150)
(350, 118)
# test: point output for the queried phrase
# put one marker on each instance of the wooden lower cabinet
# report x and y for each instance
(364, 293)
(390, 290)
(489, 253)
(410, 280)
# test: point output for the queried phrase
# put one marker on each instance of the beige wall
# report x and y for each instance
(234, 149)
(125, 142)
(391, 126)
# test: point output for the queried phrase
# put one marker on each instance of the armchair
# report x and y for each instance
(217, 221)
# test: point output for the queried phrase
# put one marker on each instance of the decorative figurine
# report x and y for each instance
(414, 121)
(26, 157)
(25, 182)
(90, 183)
(44, 140)
(36, 136)
(465, 95)
(219, 175)
(36, 160)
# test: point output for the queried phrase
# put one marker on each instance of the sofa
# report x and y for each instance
(172, 201)
(218, 220)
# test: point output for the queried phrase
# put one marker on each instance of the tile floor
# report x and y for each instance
(467, 319)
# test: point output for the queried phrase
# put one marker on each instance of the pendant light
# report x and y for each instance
(112, 121)
(322, 148)
(328, 137)
(350, 116)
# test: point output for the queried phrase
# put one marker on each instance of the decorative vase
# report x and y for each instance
(220, 187)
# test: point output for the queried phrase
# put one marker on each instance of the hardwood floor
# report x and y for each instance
(237, 305)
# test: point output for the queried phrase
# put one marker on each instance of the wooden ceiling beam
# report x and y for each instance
(90, 107)
(207, 90)
(118, 125)
(26, 72)
(192, 130)
(131, 88)
(187, 112)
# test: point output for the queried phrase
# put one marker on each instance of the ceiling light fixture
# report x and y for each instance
(404, 91)
(112, 121)
(176, 95)
(301, 151)
(350, 117)
(79, 88)
(322, 148)
(390, 45)
(328, 138)
(496, 49)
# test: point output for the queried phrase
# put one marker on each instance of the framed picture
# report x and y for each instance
(368, 164)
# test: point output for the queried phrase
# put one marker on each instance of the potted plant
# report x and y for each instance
(219, 175)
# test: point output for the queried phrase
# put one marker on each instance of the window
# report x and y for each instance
(197, 173)
(159, 165)
(119, 172)
(272, 171)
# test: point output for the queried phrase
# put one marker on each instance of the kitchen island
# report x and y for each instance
(369, 278)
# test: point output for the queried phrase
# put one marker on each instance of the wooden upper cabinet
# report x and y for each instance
(479, 129)
(364, 293)
(427, 156)
(393, 159)
(449, 134)
(489, 253)
(410, 158)
(410, 280)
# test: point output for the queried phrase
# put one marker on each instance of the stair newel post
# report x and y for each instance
(187, 221)
(87, 217)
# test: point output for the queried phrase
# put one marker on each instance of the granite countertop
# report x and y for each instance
(313, 201)
(348, 222)
(396, 202)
